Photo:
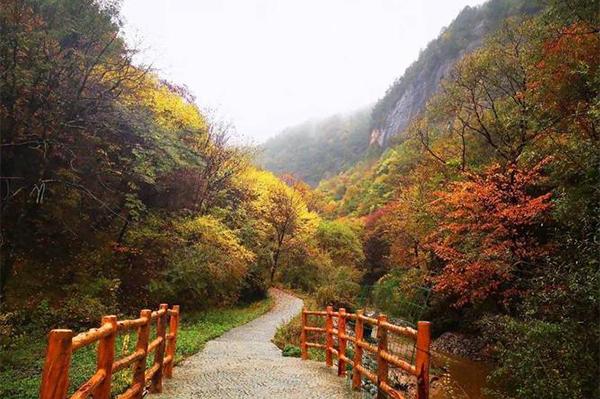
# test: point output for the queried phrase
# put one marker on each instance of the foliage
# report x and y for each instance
(291, 351)
(303, 266)
(400, 293)
(543, 360)
(118, 191)
(339, 287)
(318, 149)
(208, 267)
(461, 36)
(497, 214)
(492, 197)
(342, 242)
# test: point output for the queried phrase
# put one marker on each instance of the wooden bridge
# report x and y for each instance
(62, 344)
(337, 340)
(335, 326)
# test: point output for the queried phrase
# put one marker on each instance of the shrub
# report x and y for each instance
(254, 286)
(546, 360)
(301, 266)
(291, 351)
(339, 289)
(341, 242)
(209, 267)
(80, 312)
(400, 293)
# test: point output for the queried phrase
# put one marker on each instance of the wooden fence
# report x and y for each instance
(62, 344)
(422, 335)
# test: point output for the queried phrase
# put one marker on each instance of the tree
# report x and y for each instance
(491, 98)
(491, 231)
(222, 162)
(206, 267)
(341, 240)
(283, 214)
(61, 127)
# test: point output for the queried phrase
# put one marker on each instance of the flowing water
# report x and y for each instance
(462, 378)
(459, 378)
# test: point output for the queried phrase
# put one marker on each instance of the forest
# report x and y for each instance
(319, 149)
(119, 191)
(490, 198)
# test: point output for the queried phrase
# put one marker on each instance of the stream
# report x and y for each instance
(459, 377)
(462, 379)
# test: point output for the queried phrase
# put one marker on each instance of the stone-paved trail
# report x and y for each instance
(243, 363)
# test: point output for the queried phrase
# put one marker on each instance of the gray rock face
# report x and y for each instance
(414, 97)
(407, 97)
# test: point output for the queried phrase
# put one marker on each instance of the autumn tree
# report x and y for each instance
(491, 99)
(60, 125)
(490, 232)
(283, 215)
(94, 151)
(222, 162)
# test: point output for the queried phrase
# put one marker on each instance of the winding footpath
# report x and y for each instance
(244, 363)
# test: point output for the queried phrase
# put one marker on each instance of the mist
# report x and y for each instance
(265, 65)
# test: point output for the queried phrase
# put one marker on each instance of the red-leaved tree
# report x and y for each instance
(490, 230)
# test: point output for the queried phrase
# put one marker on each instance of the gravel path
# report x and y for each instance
(243, 363)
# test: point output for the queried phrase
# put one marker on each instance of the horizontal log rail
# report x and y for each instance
(62, 343)
(422, 336)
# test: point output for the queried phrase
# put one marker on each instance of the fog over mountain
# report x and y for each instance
(271, 64)
(319, 149)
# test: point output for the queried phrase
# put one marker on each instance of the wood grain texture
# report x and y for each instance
(105, 358)
(422, 362)
(55, 377)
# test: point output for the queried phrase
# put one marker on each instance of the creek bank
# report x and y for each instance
(474, 348)
(463, 364)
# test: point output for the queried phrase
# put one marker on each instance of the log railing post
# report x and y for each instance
(159, 355)
(341, 341)
(382, 365)
(358, 336)
(303, 347)
(105, 358)
(55, 377)
(422, 360)
(172, 343)
(329, 337)
(139, 367)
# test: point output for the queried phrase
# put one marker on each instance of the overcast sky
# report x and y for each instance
(269, 64)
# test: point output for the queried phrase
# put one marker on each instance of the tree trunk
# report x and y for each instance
(274, 265)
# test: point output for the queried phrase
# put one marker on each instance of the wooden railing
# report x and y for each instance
(385, 358)
(62, 344)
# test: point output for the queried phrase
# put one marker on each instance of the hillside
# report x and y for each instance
(408, 94)
(490, 200)
(318, 149)
(480, 217)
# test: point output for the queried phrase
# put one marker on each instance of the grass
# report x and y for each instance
(287, 336)
(21, 363)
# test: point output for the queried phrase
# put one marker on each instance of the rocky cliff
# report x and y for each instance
(317, 150)
(409, 94)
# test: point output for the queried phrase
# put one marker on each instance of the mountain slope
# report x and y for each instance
(408, 95)
(319, 149)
